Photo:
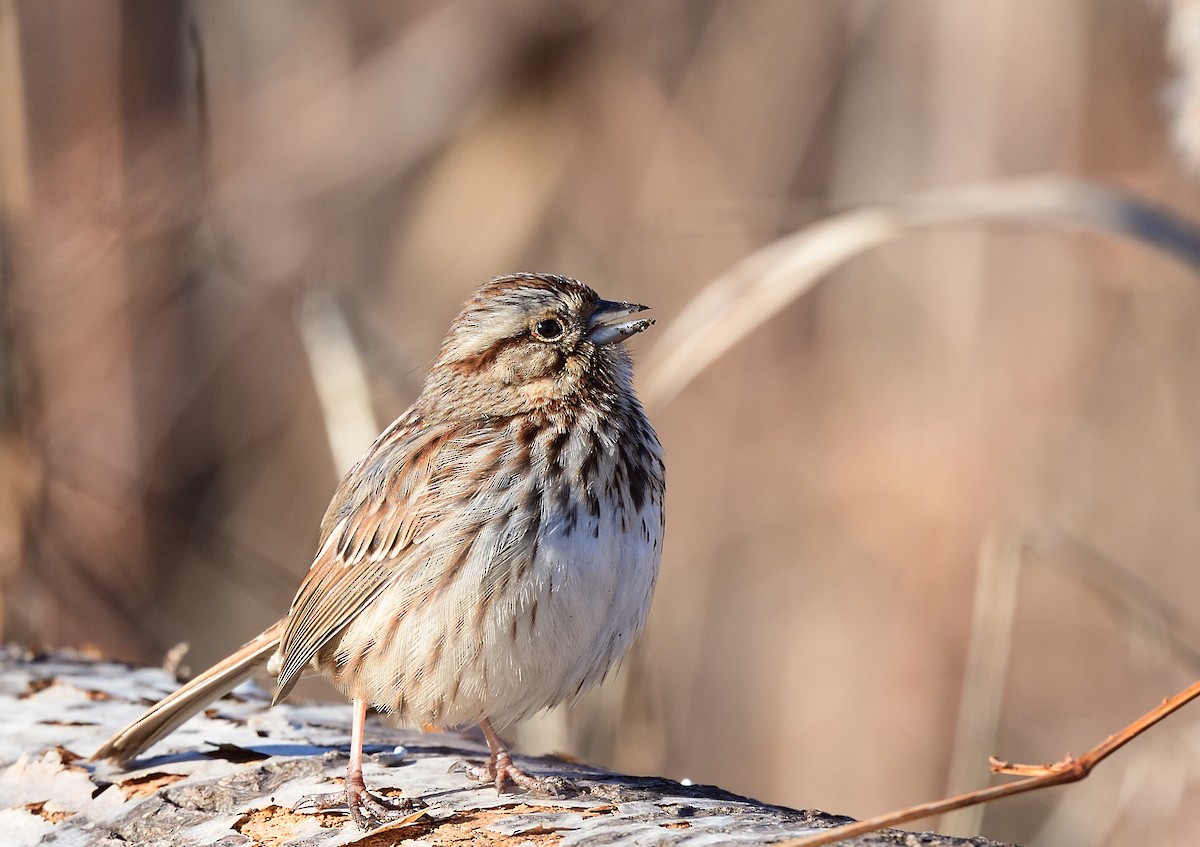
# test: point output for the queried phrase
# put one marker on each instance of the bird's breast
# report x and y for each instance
(527, 593)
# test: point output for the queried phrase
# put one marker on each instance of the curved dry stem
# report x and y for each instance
(340, 377)
(766, 281)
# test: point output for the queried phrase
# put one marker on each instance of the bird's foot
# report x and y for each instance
(366, 808)
(500, 769)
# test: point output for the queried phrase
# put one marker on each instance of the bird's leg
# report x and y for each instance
(367, 808)
(500, 769)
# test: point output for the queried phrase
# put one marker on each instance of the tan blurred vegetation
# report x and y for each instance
(207, 203)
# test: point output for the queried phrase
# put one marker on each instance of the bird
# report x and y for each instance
(494, 551)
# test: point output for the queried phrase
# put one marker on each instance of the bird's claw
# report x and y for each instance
(366, 808)
(501, 770)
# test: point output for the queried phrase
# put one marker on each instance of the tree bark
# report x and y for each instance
(232, 775)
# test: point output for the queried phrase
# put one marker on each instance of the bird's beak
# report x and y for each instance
(609, 333)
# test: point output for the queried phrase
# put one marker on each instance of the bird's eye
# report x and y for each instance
(548, 329)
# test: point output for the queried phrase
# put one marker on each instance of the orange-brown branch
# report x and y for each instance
(1033, 777)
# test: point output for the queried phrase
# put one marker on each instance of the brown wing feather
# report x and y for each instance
(373, 518)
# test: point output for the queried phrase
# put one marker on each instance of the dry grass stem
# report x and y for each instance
(762, 284)
(339, 376)
(14, 158)
(993, 616)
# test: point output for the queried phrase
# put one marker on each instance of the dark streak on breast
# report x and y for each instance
(554, 448)
(589, 468)
(527, 432)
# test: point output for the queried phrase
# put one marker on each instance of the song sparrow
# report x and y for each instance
(494, 551)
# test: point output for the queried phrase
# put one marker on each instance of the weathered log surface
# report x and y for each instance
(231, 776)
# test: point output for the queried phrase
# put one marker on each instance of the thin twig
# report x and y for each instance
(1069, 769)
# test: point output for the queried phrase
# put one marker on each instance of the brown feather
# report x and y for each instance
(343, 579)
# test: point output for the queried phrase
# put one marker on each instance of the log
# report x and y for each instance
(231, 776)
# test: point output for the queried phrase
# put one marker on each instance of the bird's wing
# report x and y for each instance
(376, 517)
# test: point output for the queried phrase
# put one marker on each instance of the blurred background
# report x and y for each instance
(945, 504)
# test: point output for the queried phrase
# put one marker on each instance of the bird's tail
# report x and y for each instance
(167, 714)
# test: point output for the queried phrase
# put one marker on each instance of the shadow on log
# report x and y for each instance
(232, 775)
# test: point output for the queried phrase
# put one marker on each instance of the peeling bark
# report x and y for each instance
(231, 776)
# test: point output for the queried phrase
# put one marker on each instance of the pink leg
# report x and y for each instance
(500, 769)
(367, 809)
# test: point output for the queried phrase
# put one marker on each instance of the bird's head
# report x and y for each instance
(531, 341)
